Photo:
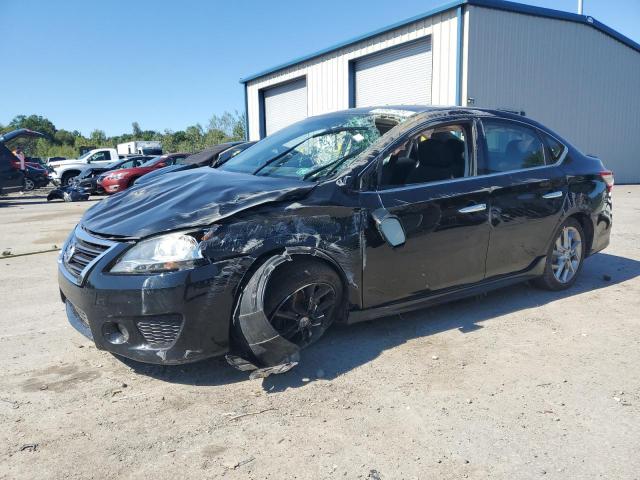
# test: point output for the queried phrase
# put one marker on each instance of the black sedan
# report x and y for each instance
(343, 217)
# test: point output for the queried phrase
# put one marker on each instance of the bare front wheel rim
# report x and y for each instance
(567, 254)
(304, 313)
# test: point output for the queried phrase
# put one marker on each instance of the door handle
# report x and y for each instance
(557, 194)
(480, 207)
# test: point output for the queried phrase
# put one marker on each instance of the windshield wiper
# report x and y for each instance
(335, 164)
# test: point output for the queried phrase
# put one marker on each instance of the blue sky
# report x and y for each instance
(170, 64)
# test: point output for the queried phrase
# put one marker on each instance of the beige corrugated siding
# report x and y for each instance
(573, 78)
(328, 75)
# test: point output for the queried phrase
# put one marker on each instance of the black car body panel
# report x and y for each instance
(184, 200)
(38, 176)
(447, 254)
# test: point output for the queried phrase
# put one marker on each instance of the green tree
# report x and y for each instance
(34, 122)
(98, 137)
(64, 137)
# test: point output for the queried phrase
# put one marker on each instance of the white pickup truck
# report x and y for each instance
(64, 171)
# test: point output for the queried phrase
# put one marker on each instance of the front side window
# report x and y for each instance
(128, 164)
(436, 154)
(100, 156)
(510, 146)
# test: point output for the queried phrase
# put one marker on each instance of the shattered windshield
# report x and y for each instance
(312, 149)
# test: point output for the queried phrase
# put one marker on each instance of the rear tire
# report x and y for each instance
(29, 185)
(564, 257)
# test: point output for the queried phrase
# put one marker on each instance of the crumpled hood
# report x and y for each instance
(186, 199)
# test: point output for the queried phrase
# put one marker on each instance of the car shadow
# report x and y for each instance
(32, 199)
(344, 348)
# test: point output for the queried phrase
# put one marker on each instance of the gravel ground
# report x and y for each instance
(519, 383)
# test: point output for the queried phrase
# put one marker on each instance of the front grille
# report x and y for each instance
(81, 251)
(160, 331)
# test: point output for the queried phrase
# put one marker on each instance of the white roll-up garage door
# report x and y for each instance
(284, 105)
(396, 76)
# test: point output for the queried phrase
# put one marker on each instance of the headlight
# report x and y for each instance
(175, 251)
(115, 176)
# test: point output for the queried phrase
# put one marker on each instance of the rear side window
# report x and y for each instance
(555, 147)
(510, 146)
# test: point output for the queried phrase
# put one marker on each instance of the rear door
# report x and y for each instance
(528, 192)
(427, 183)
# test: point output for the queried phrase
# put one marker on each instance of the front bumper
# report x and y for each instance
(169, 318)
(114, 186)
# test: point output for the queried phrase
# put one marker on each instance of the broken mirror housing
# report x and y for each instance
(389, 227)
(164, 253)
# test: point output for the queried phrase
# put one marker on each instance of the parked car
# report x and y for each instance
(11, 178)
(123, 178)
(208, 157)
(37, 161)
(87, 182)
(35, 178)
(89, 176)
(65, 171)
(347, 216)
(55, 159)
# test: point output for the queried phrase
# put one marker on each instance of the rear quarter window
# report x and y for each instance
(556, 148)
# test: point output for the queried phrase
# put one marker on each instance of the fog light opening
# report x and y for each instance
(115, 333)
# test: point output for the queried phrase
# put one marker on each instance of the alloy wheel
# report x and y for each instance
(302, 314)
(29, 185)
(567, 254)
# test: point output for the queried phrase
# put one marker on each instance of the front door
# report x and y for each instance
(427, 183)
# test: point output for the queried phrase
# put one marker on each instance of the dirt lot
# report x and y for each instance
(519, 383)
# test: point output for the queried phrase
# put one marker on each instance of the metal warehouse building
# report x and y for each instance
(568, 71)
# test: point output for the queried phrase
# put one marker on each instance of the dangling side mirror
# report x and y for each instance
(389, 227)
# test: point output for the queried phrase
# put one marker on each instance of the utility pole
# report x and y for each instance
(580, 7)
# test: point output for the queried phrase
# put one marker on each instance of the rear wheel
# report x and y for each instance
(29, 185)
(564, 257)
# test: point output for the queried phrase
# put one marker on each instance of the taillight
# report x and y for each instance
(607, 177)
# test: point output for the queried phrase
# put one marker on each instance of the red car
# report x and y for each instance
(121, 179)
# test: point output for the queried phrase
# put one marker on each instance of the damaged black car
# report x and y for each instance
(343, 217)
